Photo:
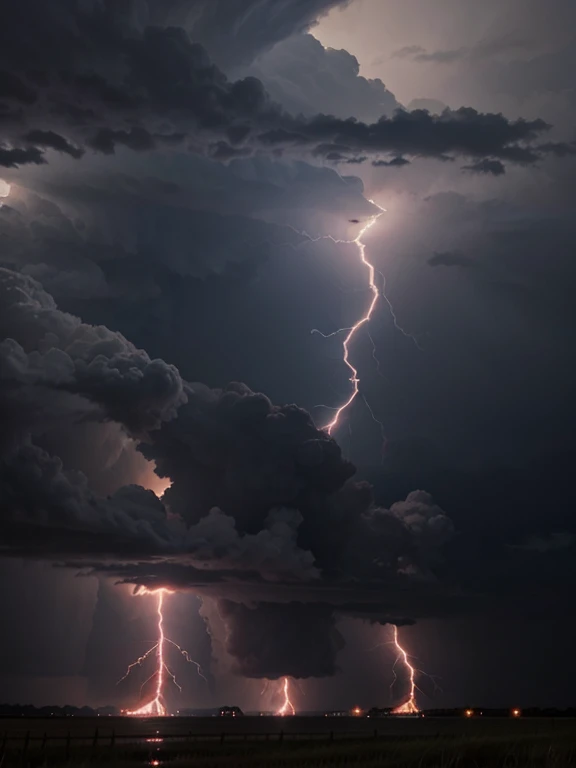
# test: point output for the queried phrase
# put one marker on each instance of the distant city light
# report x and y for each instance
(469, 712)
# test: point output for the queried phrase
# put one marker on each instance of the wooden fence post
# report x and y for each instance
(331, 735)
(44, 740)
(68, 746)
(222, 737)
(281, 736)
(26, 745)
(112, 738)
(95, 739)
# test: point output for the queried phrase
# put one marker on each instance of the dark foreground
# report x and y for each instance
(293, 742)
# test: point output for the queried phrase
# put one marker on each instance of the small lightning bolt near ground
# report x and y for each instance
(409, 707)
(156, 706)
(287, 707)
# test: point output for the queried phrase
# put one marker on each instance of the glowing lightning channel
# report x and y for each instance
(287, 707)
(409, 707)
(156, 706)
(362, 321)
(353, 330)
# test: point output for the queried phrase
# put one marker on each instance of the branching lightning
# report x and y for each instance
(287, 707)
(363, 321)
(409, 706)
(351, 332)
(157, 706)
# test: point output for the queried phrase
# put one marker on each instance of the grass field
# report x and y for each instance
(292, 742)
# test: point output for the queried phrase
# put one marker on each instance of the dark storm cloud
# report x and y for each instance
(13, 158)
(51, 349)
(106, 140)
(234, 31)
(259, 495)
(60, 371)
(396, 162)
(559, 149)
(105, 238)
(461, 132)
(261, 456)
(51, 140)
(134, 81)
(306, 647)
(431, 105)
(489, 167)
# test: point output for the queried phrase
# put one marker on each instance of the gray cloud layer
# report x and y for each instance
(145, 87)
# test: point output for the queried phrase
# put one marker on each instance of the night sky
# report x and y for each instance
(181, 183)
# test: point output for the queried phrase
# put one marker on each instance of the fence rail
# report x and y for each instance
(98, 739)
(24, 743)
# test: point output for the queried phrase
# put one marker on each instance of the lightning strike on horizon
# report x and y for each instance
(409, 707)
(287, 707)
(156, 706)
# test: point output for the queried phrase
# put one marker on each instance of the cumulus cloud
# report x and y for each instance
(306, 78)
(51, 349)
(261, 506)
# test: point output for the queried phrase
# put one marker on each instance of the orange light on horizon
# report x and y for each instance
(516, 713)
(469, 713)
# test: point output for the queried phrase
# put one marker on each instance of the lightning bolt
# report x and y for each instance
(409, 707)
(352, 331)
(156, 706)
(287, 707)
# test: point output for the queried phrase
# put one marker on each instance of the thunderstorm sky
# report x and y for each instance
(187, 191)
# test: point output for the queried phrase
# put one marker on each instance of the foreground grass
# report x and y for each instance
(539, 751)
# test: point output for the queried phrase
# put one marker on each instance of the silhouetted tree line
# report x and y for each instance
(29, 710)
